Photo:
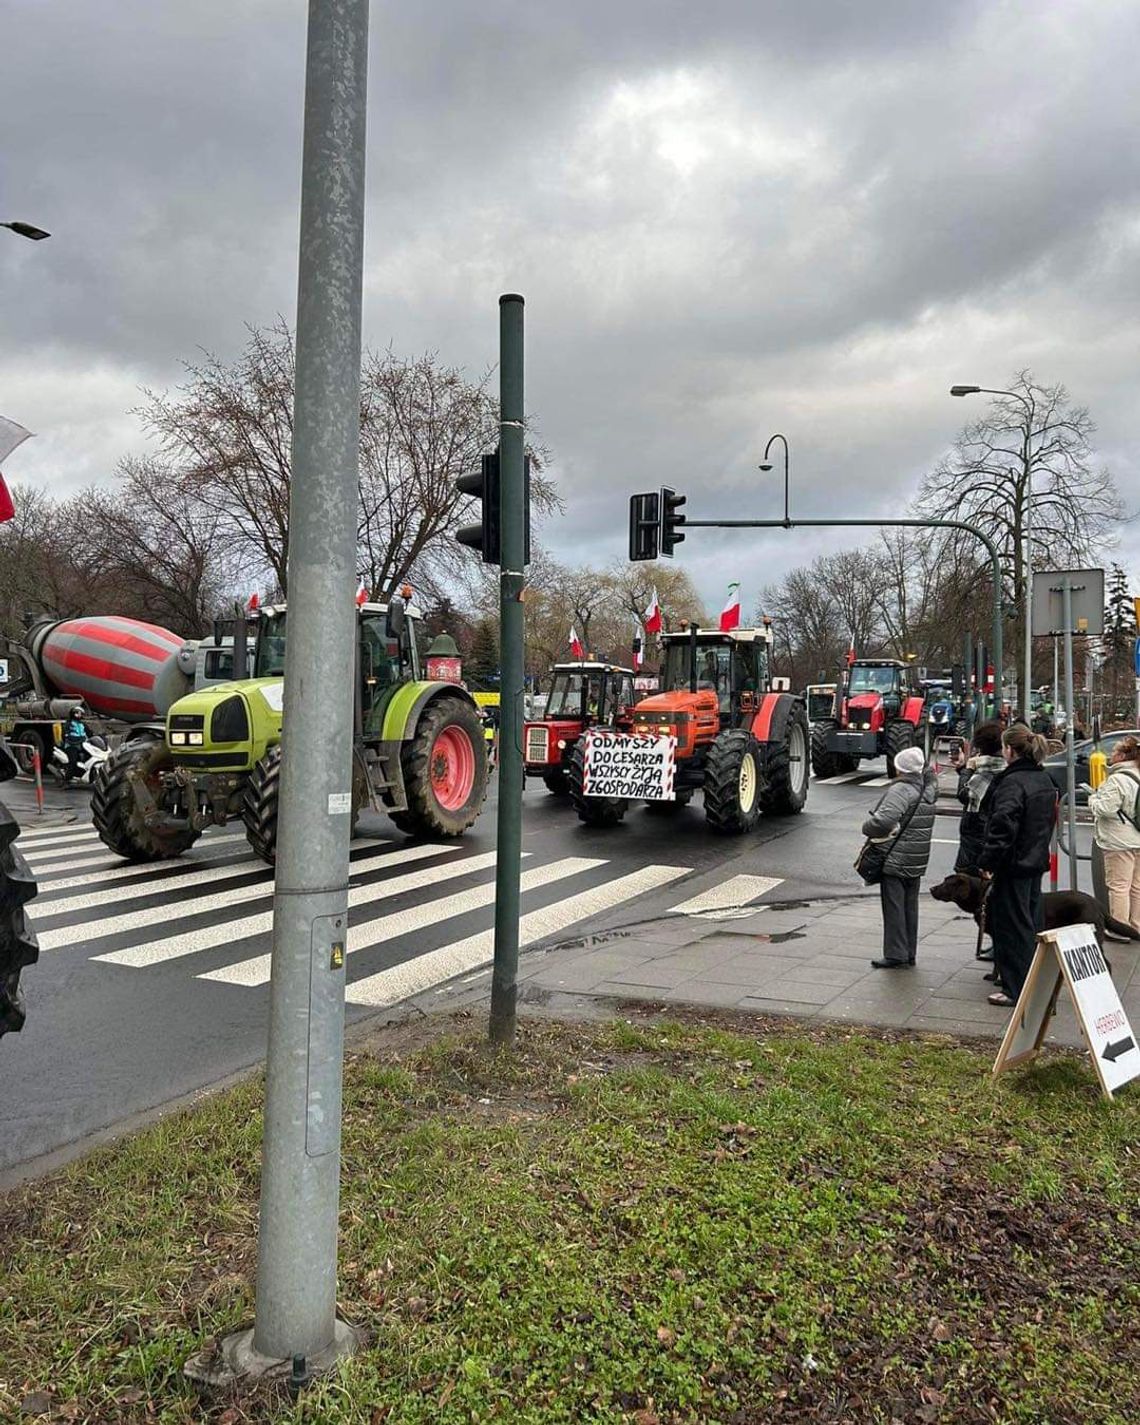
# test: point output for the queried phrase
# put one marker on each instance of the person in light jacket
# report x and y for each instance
(907, 804)
(1021, 806)
(1114, 806)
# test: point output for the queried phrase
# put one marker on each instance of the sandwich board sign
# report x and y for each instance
(1071, 956)
(632, 768)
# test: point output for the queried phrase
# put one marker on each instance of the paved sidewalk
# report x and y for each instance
(807, 959)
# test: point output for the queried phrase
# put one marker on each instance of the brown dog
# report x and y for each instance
(1059, 907)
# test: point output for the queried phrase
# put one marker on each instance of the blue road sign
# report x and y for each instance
(1136, 657)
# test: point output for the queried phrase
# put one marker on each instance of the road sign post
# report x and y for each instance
(295, 1314)
(512, 575)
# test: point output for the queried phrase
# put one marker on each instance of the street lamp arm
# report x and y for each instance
(766, 466)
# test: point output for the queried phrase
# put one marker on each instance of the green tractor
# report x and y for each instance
(418, 750)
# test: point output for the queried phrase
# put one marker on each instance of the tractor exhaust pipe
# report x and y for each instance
(692, 658)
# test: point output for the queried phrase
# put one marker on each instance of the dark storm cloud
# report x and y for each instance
(726, 219)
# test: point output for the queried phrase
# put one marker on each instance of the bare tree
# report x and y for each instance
(1032, 447)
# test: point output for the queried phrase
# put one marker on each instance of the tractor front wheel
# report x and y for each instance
(732, 783)
(445, 771)
(594, 811)
(898, 737)
(786, 770)
(259, 805)
(117, 807)
(557, 783)
(824, 762)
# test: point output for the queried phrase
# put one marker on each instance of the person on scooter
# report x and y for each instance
(74, 736)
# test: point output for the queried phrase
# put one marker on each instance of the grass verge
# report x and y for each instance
(697, 1220)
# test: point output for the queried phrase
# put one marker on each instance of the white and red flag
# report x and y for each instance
(11, 435)
(576, 649)
(730, 614)
(362, 595)
(653, 615)
(851, 652)
(254, 603)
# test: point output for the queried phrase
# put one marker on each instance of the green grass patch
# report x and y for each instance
(634, 1222)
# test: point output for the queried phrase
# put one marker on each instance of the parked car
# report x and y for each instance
(1055, 765)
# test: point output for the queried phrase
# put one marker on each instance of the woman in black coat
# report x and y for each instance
(1020, 809)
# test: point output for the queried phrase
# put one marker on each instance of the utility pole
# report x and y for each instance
(295, 1314)
(512, 468)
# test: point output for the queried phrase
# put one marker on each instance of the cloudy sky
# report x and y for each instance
(727, 218)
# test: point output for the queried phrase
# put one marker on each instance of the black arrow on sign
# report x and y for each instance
(1112, 1052)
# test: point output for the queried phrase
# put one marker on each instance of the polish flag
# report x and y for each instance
(576, 649)
(11, 435)
(653, 615)
(851, 652)
(730, 614)
(637, 646)
(7, 508)
(254, 602)
(362, 595)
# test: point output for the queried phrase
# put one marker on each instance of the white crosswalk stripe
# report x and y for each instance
(390, 927)
(878, 782)
(217, 874)
(414, 976)
(174, 947)
(89, 905)
(36, 841)
(40, 834)
(103, 858)
(730, 900)
(841, 778)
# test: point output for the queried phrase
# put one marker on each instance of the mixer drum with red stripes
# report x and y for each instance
(120, 667)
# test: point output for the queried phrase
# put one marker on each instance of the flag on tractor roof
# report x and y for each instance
(362, 595)
(11, 435)
(851, 652)
(653, 615)
(254, 602)
(576, 649)
(730, 614)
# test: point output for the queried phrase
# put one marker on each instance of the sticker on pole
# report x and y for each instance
(1072, 956)
(340, 803)
(628, 767)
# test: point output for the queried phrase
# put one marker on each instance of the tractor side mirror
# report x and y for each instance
(396, 620)
(217, 633)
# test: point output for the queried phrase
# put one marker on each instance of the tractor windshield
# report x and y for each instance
(872, 680)
(722, 668)
(270, 657)
(573, 695)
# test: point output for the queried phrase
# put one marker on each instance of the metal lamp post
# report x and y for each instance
(1027, 555)
(27, 230)
(767, 465)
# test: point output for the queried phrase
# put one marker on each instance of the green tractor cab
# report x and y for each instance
(418, 749)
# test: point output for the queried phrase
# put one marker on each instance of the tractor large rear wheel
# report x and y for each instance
(898, 737)
(117, 809)
(594, 811)
(259, 804)
(445, 771)
(732, 783)
(786, 770)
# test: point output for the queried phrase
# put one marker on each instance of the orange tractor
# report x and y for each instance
(717, 727)
(581, 694)
(881, 712)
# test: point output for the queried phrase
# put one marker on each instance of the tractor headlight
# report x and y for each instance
(196, 739)
(561, 743)
(178, 739)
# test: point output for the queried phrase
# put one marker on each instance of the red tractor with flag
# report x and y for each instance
(880, 713)
(581, 694)
(717, 726)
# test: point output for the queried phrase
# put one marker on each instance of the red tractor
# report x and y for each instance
(716, 727)
(880, 713)
(581, 694)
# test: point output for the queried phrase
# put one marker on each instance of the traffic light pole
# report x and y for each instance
(991, 549)
(295, 1313)
(512, 474)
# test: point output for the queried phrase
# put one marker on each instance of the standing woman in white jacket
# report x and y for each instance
(1114, 804)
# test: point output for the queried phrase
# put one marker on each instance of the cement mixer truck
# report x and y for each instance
(127, 674)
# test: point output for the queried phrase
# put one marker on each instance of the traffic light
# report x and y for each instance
(671, 521)
(644, 526)
(18, 946)
(484, 485)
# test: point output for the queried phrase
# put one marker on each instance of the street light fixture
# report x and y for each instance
(27, 230)
(767, 465)
(1027, 555)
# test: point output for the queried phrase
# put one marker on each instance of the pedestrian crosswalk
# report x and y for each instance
(419, 913)
(868, 778)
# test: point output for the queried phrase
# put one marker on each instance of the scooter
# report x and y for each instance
(93, 752)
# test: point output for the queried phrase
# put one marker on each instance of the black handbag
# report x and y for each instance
(873, 855)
